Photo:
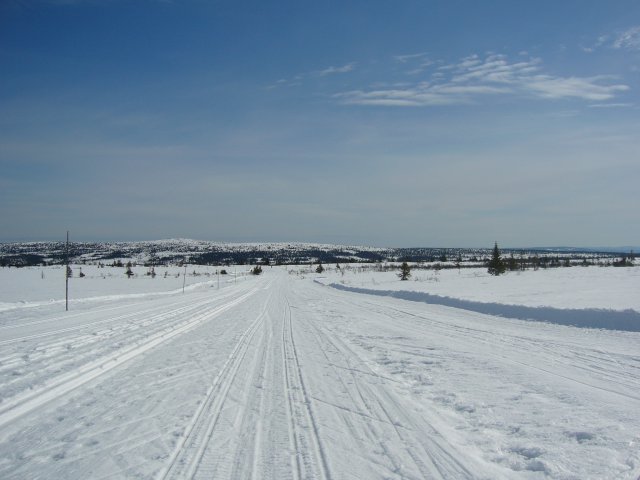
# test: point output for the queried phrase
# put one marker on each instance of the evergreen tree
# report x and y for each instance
(257, 270)
(458, 261)
(405, 271)
(320, 268)
(496, 265)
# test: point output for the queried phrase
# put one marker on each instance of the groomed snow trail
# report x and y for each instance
(281, 378)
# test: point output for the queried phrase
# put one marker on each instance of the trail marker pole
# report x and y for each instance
(66, 276)
(184, 279)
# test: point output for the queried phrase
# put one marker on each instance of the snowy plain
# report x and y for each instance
(283, 376)
(575, 287)
(39, 286)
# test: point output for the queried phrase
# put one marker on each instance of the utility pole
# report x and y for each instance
(66, 275)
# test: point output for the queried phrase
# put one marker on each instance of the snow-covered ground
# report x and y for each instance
(281, 377)
(34, 286)
(575, 287)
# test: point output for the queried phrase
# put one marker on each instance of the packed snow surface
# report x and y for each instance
(281, 377)
(574, 287)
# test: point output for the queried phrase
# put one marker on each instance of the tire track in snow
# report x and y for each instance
(60, 386)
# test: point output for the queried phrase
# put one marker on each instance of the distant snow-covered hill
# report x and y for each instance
(172, 251)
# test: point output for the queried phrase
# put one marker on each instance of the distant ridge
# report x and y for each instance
(621, 250)
(180, 250)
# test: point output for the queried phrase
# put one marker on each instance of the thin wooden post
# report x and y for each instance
(66, 276)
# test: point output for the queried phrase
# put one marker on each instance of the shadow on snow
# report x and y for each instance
(626, 320)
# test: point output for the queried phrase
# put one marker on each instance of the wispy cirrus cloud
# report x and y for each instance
(587, 88)
(611, 105)
(418, 62)
(333, 70)
(474, 77)
(410, 56)
(628, 39)
(298, 79)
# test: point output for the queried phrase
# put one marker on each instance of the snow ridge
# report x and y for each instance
(625, 320)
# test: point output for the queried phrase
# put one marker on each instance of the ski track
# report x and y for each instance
(301, 409)
(189, 455)
(21, 404)
(281, 378)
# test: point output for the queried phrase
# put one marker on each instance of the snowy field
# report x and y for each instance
(37, 286)
(575, 287)
(289, 376)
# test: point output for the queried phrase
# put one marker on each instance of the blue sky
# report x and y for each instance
(408, 123)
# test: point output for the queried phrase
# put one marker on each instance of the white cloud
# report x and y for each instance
(474, 77)
(611, 105)
(297, 80)
(415, 97)
(585, 88)
(332, 70)
(629, 39)
(409, 57)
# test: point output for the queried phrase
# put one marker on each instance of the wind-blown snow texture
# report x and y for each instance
(280, 377)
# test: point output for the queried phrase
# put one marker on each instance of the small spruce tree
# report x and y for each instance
(405, 271)
(257, 270)
(320, 268)
(496, 265)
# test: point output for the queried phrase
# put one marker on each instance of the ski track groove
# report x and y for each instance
(321, 460)
(298, 397)
(64, 317)
(444, 463)
(183, 462)
(258, 441)
(507, 340)
(247, 450)
(373, 432)
(48, 350)
(60, 386)
(559, 357)
(162, 309)
(293, 437)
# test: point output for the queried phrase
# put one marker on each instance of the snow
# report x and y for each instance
(282, 377)
(575, 287)
(36, 286)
